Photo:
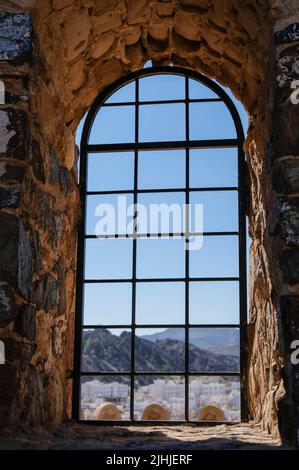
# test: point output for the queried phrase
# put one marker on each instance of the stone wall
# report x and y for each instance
(55, 57)
(39, 207)
(284, 165)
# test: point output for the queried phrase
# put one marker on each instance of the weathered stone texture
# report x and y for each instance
(9, 388)
(285, 148)
(25, 322)
(288, 35)
(288, 220)
(37, 162)
(290, 317)
(289, 407)
(15, 36)
(13, 133)
(11, 173)
(7, 304)
(24, 257)
(45, 292)
(9, 239)
(285, 176)
(9, 197)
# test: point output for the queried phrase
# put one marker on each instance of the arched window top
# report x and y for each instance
(162, 104)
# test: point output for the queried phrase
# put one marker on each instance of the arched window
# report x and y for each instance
(161, 294)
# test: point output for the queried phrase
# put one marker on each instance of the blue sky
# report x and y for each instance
(210, 302)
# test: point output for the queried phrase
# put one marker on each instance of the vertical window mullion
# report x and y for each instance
(133, 332)
(187, 230)
(242, 282)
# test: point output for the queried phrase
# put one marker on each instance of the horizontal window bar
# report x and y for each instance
(154, 422)
(172, 145)
(157, 102)
(171, 190)
(176, 374)
(165, 279)
(162, 235)
(178, 325)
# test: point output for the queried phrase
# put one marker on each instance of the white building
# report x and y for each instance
(166, 390)
(94, 389)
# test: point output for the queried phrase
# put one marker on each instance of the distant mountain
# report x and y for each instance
(105, 352)
(223, 341)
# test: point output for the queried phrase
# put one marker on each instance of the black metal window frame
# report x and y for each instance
(135, 147)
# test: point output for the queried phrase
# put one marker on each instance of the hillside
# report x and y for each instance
(103, 351)
(223, 341)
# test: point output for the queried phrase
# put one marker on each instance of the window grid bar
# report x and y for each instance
(168, 374)
(170, 190)
(158, 102)
(167, 145)
(171, 325)
(163, 279)
(161, 235)
(136, 147)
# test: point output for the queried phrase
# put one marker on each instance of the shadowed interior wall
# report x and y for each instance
(55, 57)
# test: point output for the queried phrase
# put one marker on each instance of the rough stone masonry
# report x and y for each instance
(55, 57)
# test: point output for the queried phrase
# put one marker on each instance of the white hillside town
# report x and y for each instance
(168, 392)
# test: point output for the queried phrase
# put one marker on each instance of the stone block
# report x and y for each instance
(9, 387)
(77, 27)
(287, 35)
(25, 323)
(165, 9)
(45, 294)
(11, 173)
(24, 256)
(54, 168)
(183, 44)
(7, 304)
(9, 239)
(15, 254)
(295, 394)
(289, 307)
(57, 340)
(60, 4)
(17, 351)
(37, 162)
(200, 4)
(59, 270)
(285, 176)
(285, 120)
(9, 197)
(286, 72)
(36, 252)
(290, 265)
(288, 220)
(187, 25)
(105, 5)
(13, 134)
(137, 10)
(45, 215)
(249, 20)
(100, 48)
(15, 37)
(106, 22)
(64, 180)
(12, 98)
